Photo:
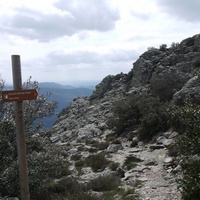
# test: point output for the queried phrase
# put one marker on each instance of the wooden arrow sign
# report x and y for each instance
(19, 95)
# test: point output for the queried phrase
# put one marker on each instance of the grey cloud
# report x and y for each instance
(187, 10)
(87, 57)
(87, 15)
(35, 25)
(90, 13)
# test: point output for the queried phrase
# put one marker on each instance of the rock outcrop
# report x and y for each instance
(165, 72)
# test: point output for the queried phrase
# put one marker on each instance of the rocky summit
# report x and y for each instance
(83, 128)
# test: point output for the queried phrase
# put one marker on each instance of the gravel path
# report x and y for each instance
(157, 183)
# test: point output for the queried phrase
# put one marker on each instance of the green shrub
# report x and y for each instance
(173, 150)
(97, 162)
(113, 166)
(189, 41)
(144, 112)
(92, 143)
(154, 119)
(67, 186)
(125, 115)
(92, 149)
(110, 137)
(163, 47)
(134, 143)
(116, 141)
(108, 195)
(165, 85)
(131, 162)
(130, 191)
(81, 148)
(174, 45)
(76, 157)
(189, 149)
(104, 183)
(9, 180)
(103, 145)
(43, 167)
(79, 164)
(8, 145)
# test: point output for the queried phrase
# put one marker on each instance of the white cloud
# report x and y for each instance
(61, 40)
(76, 16)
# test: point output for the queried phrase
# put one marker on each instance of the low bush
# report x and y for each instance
(81, 148)
(92, 143)
(110, 137)
(125, 115)
(116, 141)
(131, 162)
(143, 112)
(104, 183)
(103, 145)
(154, 118)
(165, 85)
(97, 162)
(67, 186)
(129, 192)
(163, 47)
(76, 157)
(113, 166)
(79, 163)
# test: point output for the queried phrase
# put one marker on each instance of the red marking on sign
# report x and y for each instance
(19, 95)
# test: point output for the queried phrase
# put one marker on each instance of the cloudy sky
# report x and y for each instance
(85, 40)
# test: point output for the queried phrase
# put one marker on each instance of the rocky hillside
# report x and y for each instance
(83, 129)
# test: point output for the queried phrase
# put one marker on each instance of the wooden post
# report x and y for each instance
(20, 129)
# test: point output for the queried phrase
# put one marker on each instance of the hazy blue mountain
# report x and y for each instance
(55, 85)
(63, 94)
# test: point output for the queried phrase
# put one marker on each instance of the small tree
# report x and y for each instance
(37, 109)
(163, 47)
(174, 45)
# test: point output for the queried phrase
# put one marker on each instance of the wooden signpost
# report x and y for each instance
(18, 95)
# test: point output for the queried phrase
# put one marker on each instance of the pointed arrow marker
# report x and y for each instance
(19, 95)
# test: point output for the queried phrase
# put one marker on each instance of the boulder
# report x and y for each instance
(113, 148)
(190, 89)
(88, 132)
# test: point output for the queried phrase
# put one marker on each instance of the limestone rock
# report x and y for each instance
(168, 160)
(190, 89)
(113, 148)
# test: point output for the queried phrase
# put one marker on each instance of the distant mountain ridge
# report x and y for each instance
(55, 85)
(63, 94)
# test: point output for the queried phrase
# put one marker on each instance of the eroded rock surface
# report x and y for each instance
(167, 73)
